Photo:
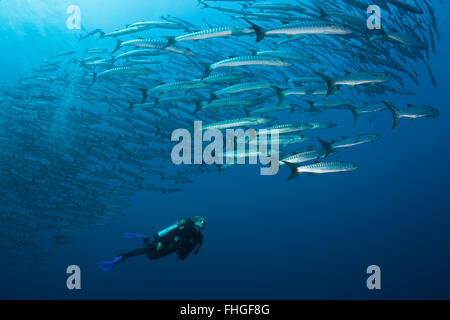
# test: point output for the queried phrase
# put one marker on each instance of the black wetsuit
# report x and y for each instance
(182, 240)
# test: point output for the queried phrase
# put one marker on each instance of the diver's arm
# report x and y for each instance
(147, 242)
(200, 242)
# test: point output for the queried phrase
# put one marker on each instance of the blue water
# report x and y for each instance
(312, 237)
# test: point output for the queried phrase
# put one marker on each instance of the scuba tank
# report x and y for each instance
(165, 231)
(169, 229)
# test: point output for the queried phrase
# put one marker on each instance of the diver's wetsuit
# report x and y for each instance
(181, 240)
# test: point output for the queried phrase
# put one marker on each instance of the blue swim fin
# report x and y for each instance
(109, 265)
(134, 236)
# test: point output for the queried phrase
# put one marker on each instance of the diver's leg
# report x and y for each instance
(109, 265)
(157, 254)
(157, 250)
(134, 253)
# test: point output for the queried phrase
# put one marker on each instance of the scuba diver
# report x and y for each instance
(181, 238)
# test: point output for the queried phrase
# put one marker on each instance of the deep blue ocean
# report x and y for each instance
(267, 238)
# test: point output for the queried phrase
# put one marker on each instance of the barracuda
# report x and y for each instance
(245, 61)
(226, 77)
(152, 44)
(141, 43)
(366, 109)
(287, 55)
(120, 32)
(225, 103)
(354, 79)
(321, 125)
(292, 139)
(177, 85)
(287, 128)
(138, 53)
(405, 40)
(241, 122)
(301, 27)
(212, 33)
(121, 71)
(321, 168)
(304, 91)
(158, 24)
(348, 142)
(247, 86)
(304, 155)
(412, 112)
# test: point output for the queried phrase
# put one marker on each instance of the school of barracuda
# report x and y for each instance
(92, 126)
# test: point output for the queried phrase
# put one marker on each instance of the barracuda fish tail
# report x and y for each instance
(294, 170)
(212, 97)
(198, 106)
(330, 82)
(118, 46)
(259, 31)
(207, 71)
(311, 105)
(94, 77)
(280, 94)
(102, 34)
(384, 35)
(395, 113)
(171, 40)
(144, 94)
(326, 146)
(355, 114)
